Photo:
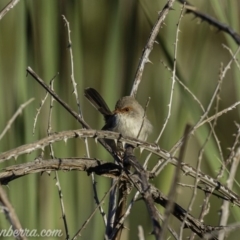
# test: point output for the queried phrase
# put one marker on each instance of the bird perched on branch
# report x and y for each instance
(128, 118)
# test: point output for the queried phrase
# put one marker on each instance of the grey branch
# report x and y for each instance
(108, 170)
(151, 147)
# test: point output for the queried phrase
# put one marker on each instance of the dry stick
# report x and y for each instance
(120, 208)
(127, 212)
(67, 107)
(108, 170)
(205, 190)
(201, 122)
(190, 222)
(130, 159)
(205, 205)
(64, 217)
(215, 116)
(232, 153)
(225, 205)
(174, 184)
(234, 57)
(70, 164)
(226, 229)
(38, 112)
(40, 107)
(75, 92)
(189, 208)
(8, 7)
(11, 216)
(178, 212)
(171, 92)
(173, 190)
(149, 46)
(215, 94)
(64, 164)
(140, 233)
(212, 21)
(123, 192)
(174, 234)
(173, 77)
(112, 206)
(92, 214)
(221, 171)
(83, 133)
(18, 112)
(201, 106)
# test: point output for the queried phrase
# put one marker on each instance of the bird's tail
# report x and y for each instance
(97, 101)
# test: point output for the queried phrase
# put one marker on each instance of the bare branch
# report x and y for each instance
(18, 112)
(212, 21)
(10, 214)
(8, 7)
(149, 46)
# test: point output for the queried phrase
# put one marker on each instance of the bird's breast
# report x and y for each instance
(129, 126)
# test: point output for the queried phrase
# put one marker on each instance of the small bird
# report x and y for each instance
(128, 118)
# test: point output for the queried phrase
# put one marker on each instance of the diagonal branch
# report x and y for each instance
(149, 46)
(155, 149)
(212, 21)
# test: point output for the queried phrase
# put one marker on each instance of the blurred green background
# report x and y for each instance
(107, 42)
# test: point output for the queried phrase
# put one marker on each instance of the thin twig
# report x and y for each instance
(172, 192)
(38, 112)
(225, 205)
(92, 214)
(40, 107)
(149, 46)
(174, 234)
(201, 107)
(8, 7)
(64, 217)
(205, 205)
(140, 233)
(7, 208)
(126, 214)
(173, 76)
(68, 108)
(18, 112)
(132, 160)
(201, 121)
(75, 92)
(112, 206)
(212, 21)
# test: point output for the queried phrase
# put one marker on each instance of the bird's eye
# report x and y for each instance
(127, 109)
